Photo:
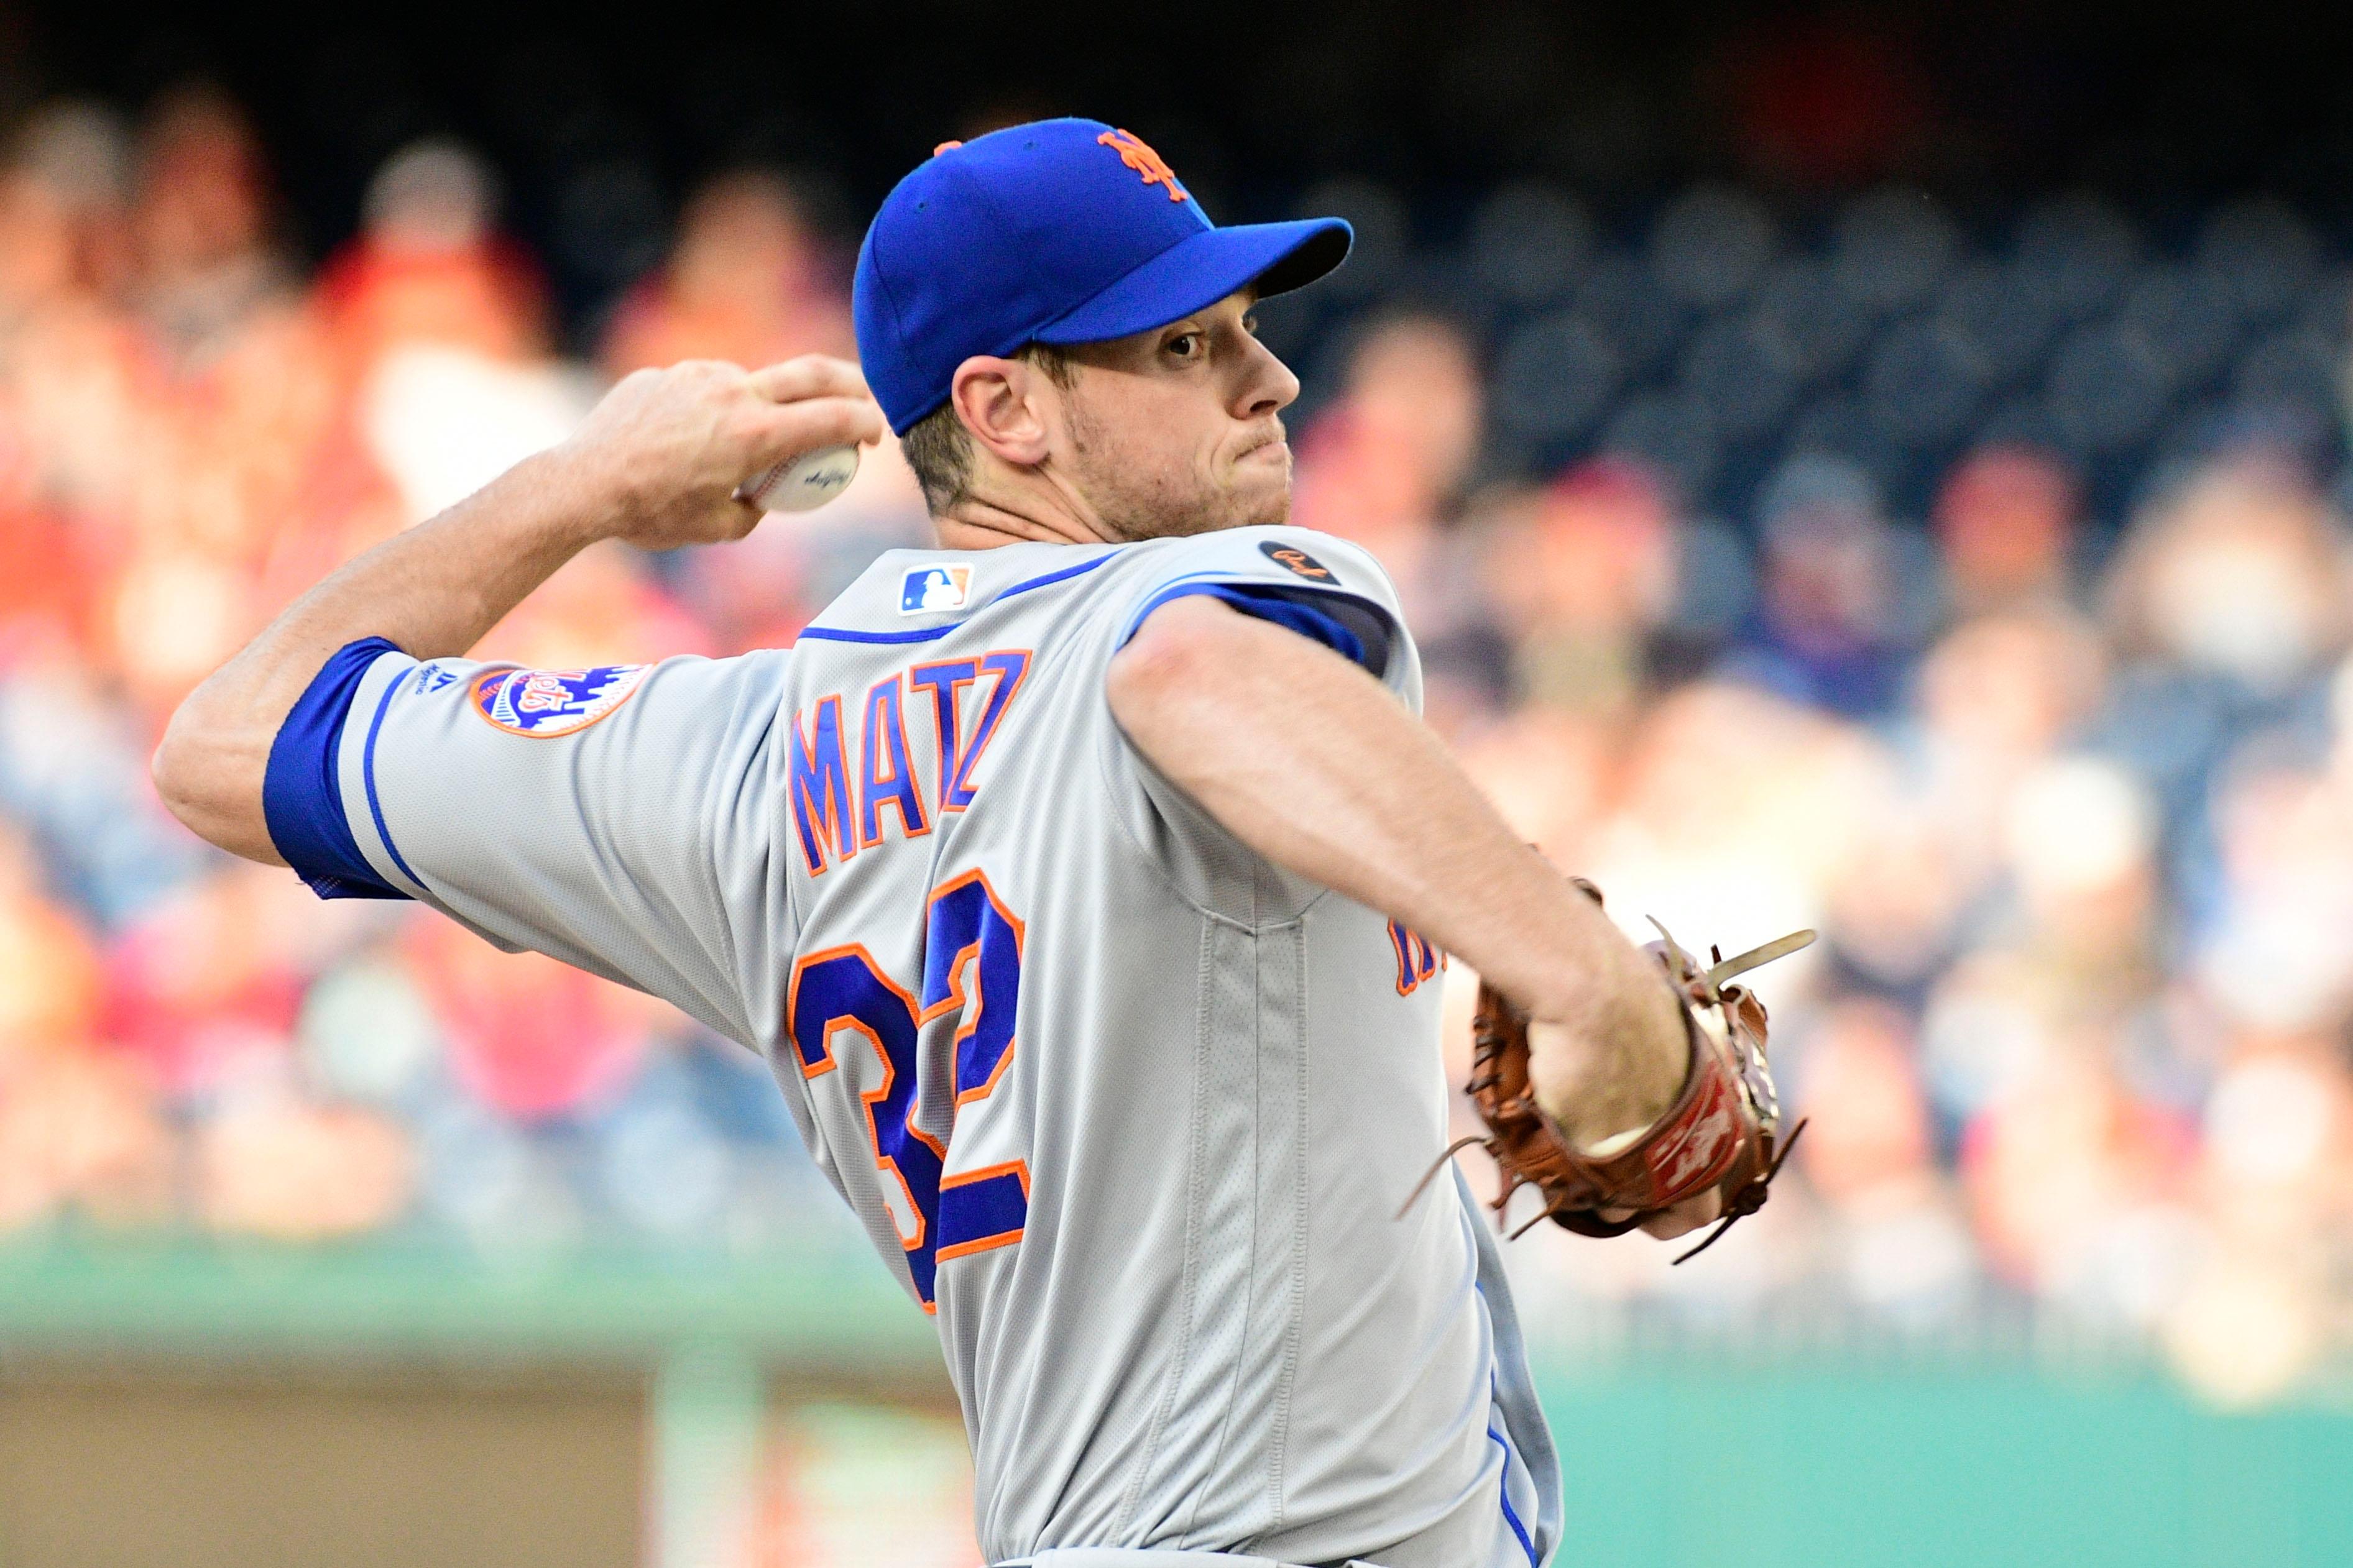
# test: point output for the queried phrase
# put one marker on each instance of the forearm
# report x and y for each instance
(1311, 762)
(437, 589)
(433, 591)
(655, 463)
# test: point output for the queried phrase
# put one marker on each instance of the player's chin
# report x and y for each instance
(1258, 501)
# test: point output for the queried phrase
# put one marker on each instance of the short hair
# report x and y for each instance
(939, 448)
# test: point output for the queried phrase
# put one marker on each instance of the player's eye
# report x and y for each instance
(1249, 324)
(1186, 345)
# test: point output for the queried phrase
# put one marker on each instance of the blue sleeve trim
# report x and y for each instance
(375, 805)
(1310, 620)
(301, 798)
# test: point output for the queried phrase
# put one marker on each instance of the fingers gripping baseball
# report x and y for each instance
(669, 447)
(810, 375)
(814, 402)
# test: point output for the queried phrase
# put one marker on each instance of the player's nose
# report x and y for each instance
(1268, 385)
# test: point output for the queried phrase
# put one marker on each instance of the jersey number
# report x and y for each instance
(842, 990)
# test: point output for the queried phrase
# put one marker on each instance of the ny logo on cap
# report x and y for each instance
(1140, 158)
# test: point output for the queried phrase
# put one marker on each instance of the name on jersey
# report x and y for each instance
(848, 783)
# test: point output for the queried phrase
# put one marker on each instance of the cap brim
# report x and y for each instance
(1196, 273)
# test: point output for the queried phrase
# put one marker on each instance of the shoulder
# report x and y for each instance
(1325, 588)
(1282, 558)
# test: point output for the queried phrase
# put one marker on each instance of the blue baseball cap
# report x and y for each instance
(1060, 231)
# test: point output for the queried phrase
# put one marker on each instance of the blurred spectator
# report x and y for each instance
(1867, 1129)
(2274, 949)
(1581, 578)
(1993, 699)
(74, 159)
(73, 776)
(531, 1037)
(439, 326)
(82, 1135)
(200, 224)
(1827, 619)
(2079, 848)
(2005, 521)
(2240, 574)
(603, 606)
(224, 394)
(1868, 1151)
(430, 266)
(1549, 773)
(71, 365)
(207, 983)
(2224, 601)
(1732, 810)
(747, 282)
(1382, 465)
(2066, 1154)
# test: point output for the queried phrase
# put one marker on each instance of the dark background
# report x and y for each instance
(599, 123)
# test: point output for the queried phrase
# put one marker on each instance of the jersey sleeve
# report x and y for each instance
(603, 816)
(1325, 588)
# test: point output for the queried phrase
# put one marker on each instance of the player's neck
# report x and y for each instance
(976, 524)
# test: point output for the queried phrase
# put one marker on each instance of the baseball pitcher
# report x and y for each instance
(1084, 880)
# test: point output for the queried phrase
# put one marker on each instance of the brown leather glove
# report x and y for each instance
(1723, 1132)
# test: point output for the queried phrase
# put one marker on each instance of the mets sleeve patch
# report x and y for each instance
(546, 703)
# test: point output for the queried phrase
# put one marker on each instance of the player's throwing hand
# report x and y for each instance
(669, 447)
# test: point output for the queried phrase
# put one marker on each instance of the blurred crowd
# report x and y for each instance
(1978, 595)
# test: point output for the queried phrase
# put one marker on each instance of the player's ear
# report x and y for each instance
(999, 402)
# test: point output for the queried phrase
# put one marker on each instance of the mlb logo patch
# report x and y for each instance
(934, 588)
(545, 703)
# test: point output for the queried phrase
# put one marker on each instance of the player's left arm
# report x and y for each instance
(1312, 762)
(655, 464)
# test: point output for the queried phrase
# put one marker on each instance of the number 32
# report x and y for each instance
(843, 989)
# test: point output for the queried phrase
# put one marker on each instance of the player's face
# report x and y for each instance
(1180, 430)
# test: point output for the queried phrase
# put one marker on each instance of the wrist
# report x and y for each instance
(1581, 973)
(585, 497)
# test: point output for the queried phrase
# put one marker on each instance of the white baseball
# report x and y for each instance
(802, 483)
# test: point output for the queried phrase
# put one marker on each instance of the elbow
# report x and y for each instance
(179, 766)
(173, 766)
(209, 779)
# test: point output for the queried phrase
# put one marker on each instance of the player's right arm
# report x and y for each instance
(615, 818)
(1307, 758)
(654, 464)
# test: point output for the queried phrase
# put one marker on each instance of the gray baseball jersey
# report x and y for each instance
(1133, 1110)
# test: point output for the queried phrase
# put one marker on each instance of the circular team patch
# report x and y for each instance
(550, 703)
